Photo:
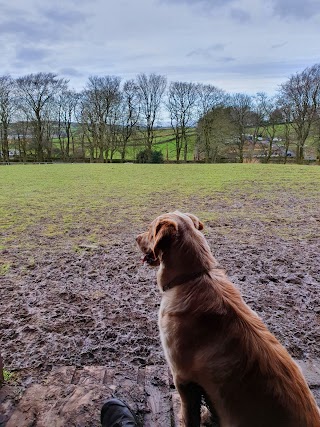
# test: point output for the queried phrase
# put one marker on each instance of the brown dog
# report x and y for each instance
(216, 346)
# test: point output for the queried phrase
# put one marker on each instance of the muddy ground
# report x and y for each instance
(97, 305)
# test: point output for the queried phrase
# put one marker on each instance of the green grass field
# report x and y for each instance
(68, 204)
(164, 141)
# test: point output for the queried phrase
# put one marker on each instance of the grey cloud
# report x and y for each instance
(217, 47)
(142, 56)
(282, 8)
(31, 54)
(296, 8)
(240, 15)
(270, 69)
(228, 59)
(83, 2)
(26, 31)
(208, 4)
(14, 20)
(64, 17)
(207, 52)
(201, 2)
(70, 72)
(278, 45)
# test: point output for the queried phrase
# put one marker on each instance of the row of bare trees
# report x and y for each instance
(292, 116)
(45, 119)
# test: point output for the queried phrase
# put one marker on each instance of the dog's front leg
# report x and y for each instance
(190, 395)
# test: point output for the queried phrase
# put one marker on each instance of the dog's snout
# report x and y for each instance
(138, 238)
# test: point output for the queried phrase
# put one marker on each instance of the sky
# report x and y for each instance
(237, 45)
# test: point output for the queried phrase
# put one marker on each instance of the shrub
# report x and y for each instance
(156, 157)
(149, 156)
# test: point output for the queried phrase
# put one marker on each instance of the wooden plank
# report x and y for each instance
(8, 398)
(26, 413)
(92, 375)
(125, 384)
(76, 375)
(158, 397)
(61, 374)
(75, 395)
(108, 379)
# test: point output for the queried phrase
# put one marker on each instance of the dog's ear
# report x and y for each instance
(197, 223)
(164, 231)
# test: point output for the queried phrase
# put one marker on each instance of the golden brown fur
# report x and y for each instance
(215, 344)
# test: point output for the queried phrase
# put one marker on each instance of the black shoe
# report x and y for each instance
(115, 413)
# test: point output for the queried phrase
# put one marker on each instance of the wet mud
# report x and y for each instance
(97, 305)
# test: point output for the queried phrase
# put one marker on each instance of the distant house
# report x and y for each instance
(14, 153)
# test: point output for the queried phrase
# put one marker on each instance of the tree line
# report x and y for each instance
(45, 119)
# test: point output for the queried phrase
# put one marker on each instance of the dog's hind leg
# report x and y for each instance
(190, 395)
(213, 419)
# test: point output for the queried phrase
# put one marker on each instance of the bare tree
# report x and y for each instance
(215, 131)
(258, 113)
(36, 91)
(21, 127)
(272, 117)
(49, 130)
(241, 105)
(87, 124)
(302, 93)
(98, 100)
(67, 104)
(150, 90)
(287, 131)
(315, 132)
(209, 97)
(114, 130)
(181, 105)
(129, 115)
(6, 111)
(258, 120)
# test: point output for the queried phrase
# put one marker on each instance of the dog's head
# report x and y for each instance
(164, 232)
